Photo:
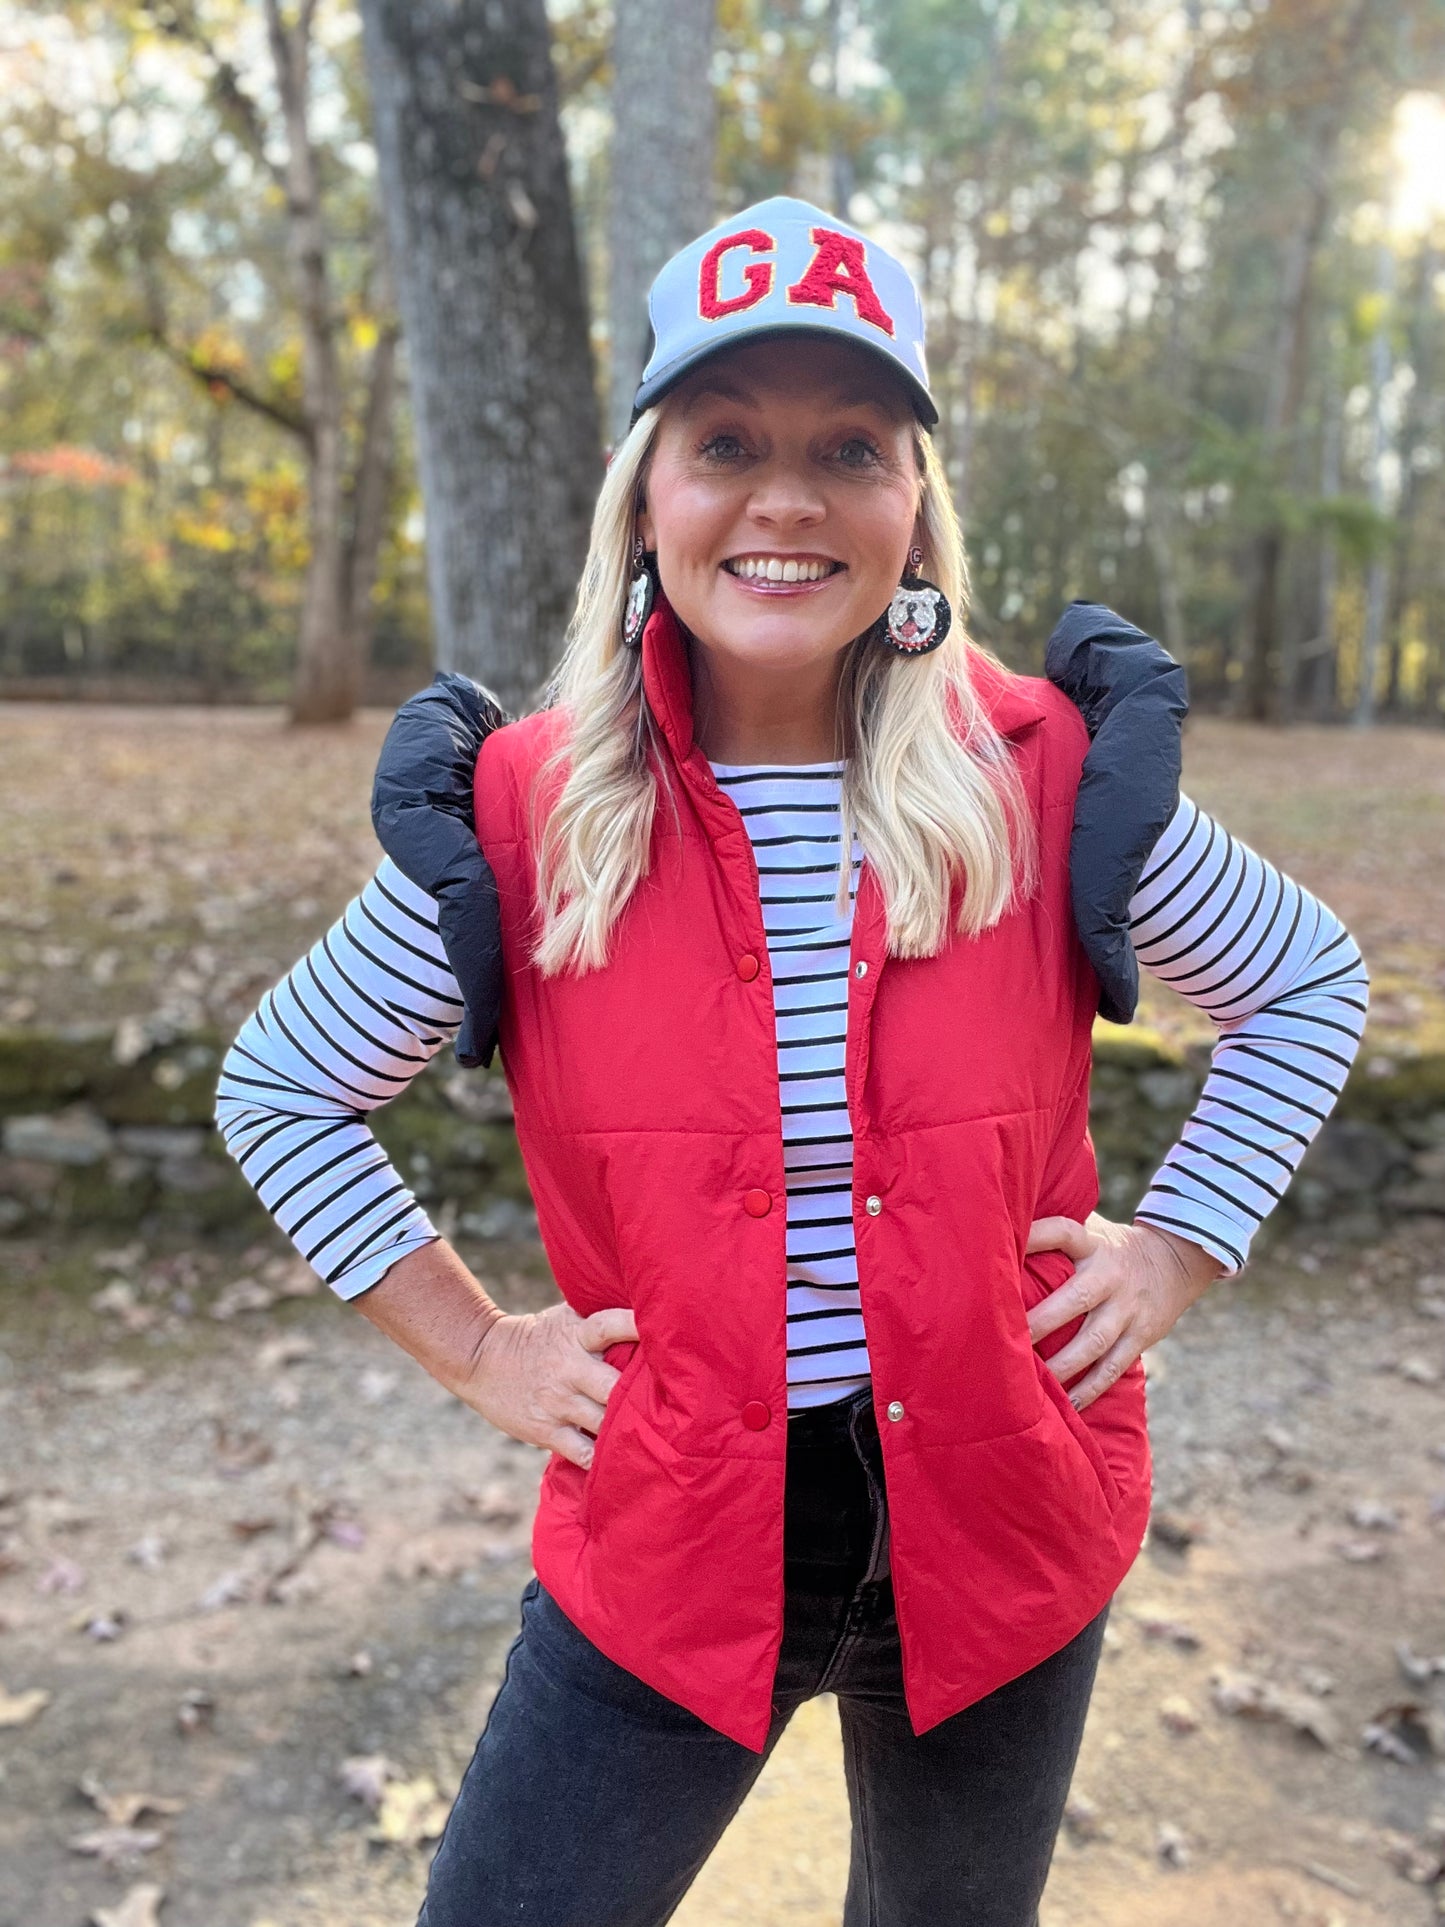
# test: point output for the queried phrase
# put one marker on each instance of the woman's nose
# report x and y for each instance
(786, 496)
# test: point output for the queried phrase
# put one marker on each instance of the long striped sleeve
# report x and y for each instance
(1286, 987)
(348, 1029)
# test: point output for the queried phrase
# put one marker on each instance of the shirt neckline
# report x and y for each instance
(837, 765)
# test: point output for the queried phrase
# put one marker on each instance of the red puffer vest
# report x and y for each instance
(649, 1118)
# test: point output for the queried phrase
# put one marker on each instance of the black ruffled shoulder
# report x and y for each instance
(1131, 693)
(1134, 697)
(424, 815)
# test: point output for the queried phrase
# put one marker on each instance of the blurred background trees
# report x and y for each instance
(1182, 263)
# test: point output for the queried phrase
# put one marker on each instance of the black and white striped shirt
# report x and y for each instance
(375, 999)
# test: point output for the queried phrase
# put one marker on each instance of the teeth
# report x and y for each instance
(771, 568)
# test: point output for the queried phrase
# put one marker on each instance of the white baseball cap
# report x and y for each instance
(783, 267)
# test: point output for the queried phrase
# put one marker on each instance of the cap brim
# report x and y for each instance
(658, 385)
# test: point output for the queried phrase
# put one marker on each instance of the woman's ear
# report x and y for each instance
(644, 526)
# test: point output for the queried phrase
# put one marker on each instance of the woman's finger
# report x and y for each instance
(1109, 1370)
(1092, 1342)
(1060, 1234)
(613, 1326)
(584, 1413)
(1072, 1299)
(571, 1444)
(593, 1377)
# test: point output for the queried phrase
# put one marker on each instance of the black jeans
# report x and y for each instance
(592, 1800)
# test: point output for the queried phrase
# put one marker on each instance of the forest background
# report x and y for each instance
(1182, 264)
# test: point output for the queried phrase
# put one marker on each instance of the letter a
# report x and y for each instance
(838, 267)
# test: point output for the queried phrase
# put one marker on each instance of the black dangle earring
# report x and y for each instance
(919, 616)
(641, 594)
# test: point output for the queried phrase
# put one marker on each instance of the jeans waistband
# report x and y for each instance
(835, 1459)
(835, 1422)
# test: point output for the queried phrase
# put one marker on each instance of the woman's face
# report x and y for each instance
(791, 459)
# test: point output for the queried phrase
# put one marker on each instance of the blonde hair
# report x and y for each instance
(929, 786)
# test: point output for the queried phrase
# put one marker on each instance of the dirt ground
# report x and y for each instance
(241, 1551)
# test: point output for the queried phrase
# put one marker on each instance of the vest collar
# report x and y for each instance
(1009, 701)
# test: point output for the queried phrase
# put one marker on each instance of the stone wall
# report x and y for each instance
(111, 1130)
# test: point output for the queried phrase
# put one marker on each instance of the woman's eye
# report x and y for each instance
(724, 448)
(857, 452)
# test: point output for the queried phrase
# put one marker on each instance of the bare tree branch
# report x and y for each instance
(212, 376)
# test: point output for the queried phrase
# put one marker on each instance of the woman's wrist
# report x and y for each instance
(1193, 1266)
(437, 1310)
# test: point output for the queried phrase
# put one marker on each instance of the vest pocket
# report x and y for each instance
(616, 1399)
(1081, 1432)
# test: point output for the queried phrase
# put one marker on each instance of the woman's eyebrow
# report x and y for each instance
(716, 391)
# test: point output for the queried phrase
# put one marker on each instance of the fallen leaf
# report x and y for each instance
(1421, 1865)
(120, 1300)
(494, 1504)
(1168, 1529)
(1360, 1552)
(1172, 1847)
(1411, 1731)
(1155, 1624)
(1178, 1715)
(105, 1626)
(148, 1552)
(1418, 1370)
(291, 1278)
(233, 1588)
(250, 1528)
(244, 1294)
(365, 1775)
(196, 1712)
(1081, 1817)
(1253, 1698)
(140, 1908)
(116, 1846)
(239, 1452)
(289, 1349)
(104, 1379)
(411, 1811)
(1373, 1516)
(61, 1575)
(1418, 1668)
(124, 1809)
(19, 1709)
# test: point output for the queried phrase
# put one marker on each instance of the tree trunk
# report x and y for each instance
(474, 179)
(1414, 435)
(662, 167)
(1377, 576)
(326, 682)
(1259, 683)
(370, 493)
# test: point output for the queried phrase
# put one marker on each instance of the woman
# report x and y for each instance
(847, 1390)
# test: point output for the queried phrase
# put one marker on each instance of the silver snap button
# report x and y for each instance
(873, 1207)
(860, 970)
(895, 1410)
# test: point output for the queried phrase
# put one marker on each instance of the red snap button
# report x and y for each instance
(757, 1204)
(748, 967)
(755, 1415)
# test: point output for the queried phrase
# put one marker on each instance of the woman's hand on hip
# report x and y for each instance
(537, 1376)
(1131, 1282)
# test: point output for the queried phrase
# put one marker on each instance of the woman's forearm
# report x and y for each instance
(431, 1305)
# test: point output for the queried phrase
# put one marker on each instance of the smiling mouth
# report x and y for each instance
(777, 568)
